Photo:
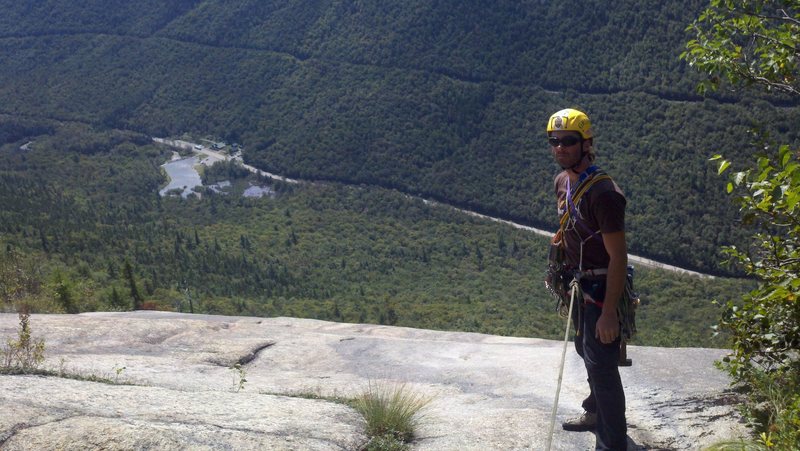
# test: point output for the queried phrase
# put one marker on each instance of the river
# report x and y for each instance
(182, 175)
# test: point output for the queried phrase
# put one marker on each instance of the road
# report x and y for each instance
(199, 148)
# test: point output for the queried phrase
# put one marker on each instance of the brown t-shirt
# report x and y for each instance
(602, 208)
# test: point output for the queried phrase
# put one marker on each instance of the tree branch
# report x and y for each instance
(784, 18)
(785, 87)
(776, 42)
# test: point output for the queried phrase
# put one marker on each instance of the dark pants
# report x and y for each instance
(606, 396)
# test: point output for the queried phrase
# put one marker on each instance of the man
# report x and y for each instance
(592, 240)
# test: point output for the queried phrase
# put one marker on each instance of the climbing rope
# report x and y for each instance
(573, 294)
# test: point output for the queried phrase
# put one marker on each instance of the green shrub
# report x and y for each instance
(754, 43)
(765, 325)
(24, 354)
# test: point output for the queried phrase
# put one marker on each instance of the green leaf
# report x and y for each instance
(723, 166)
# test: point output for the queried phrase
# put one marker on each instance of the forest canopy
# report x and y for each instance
(446, 99)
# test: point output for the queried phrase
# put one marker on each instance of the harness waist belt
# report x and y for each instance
(588, 300)
(594, 272)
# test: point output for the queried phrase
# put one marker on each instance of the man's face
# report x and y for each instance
(567, 150)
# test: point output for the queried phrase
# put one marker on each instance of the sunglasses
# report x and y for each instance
(566, 141)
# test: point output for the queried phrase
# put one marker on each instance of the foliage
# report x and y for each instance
(24, 354)
(736, 446)
(765, 327)
(118, 370)
(239, 374)
(392, 414)
(758, 43)
(748, 42)
(778, 409)
(16, 282)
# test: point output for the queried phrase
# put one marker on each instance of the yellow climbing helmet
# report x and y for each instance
(570, 120)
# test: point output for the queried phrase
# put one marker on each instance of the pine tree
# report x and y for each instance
(137, 298)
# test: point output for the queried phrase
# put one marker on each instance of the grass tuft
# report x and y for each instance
(736, 446)
(392, 414)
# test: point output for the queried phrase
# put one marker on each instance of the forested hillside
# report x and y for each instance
(84, 229)
(445, 99)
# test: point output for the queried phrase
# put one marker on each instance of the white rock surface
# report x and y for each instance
(488, 392)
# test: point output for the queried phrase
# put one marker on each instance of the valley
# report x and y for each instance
(214, 156)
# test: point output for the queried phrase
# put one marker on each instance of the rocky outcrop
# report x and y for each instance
(176, 387)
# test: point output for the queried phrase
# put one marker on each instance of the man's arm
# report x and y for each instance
(607, 328)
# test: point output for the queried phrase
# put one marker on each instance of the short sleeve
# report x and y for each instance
(609, 209)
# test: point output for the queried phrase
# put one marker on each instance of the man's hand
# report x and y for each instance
(607, 328)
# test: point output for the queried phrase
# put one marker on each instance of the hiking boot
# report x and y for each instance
(586, 422)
